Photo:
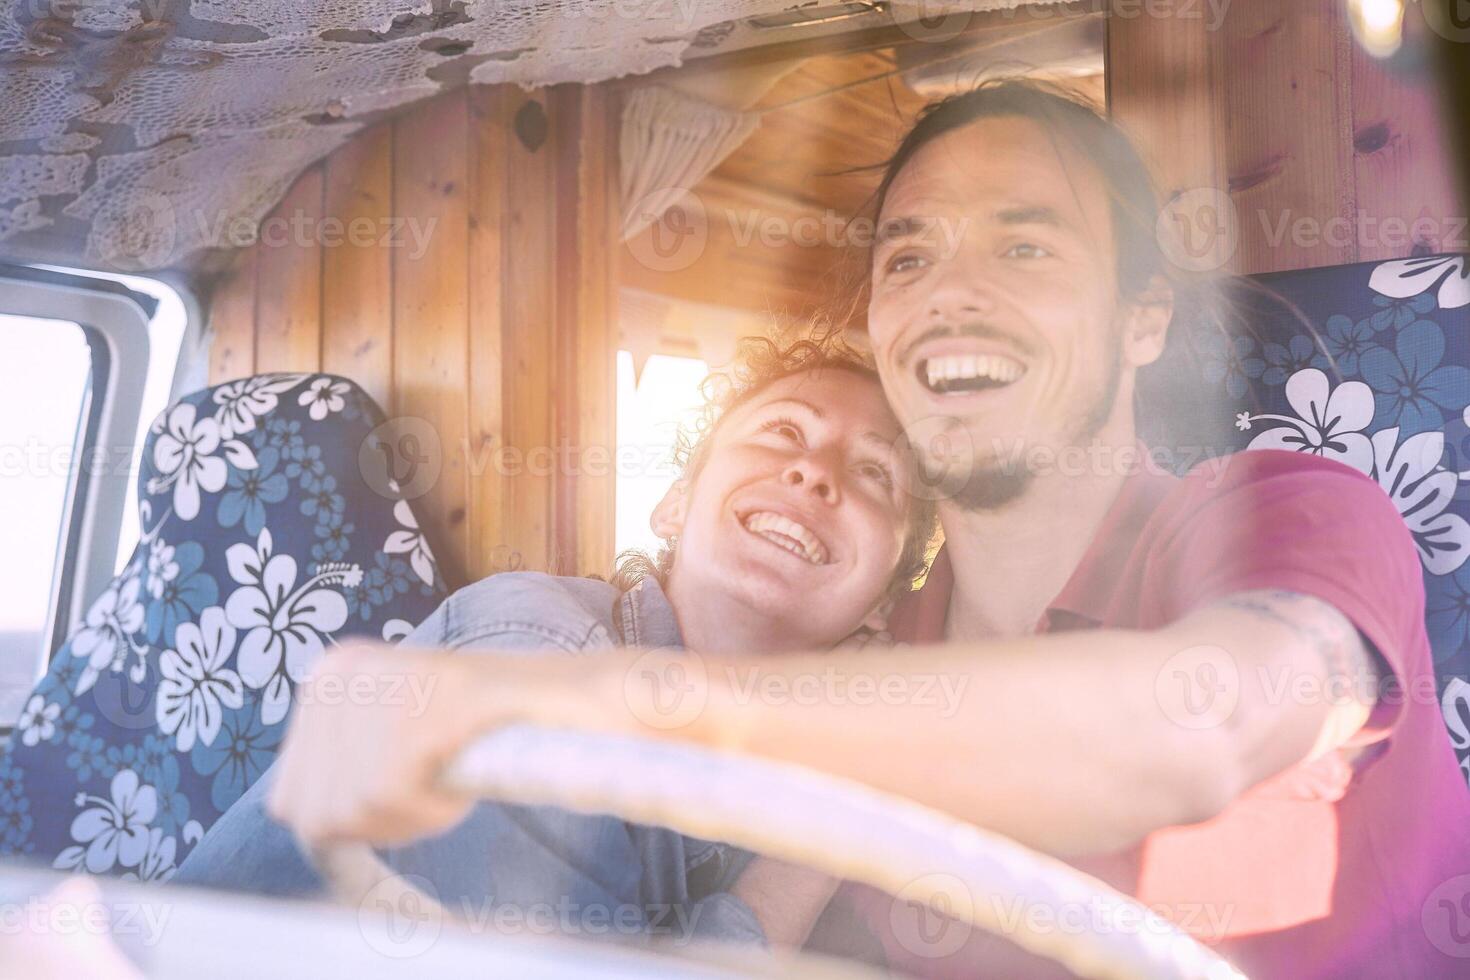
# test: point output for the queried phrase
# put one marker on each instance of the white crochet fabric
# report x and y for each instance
(193, 114)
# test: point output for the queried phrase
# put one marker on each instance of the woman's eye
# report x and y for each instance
(878, 474)
(785, 429)
(1027, 250)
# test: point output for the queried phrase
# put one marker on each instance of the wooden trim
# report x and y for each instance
(588, 218)
(430, 318)
(288, 314)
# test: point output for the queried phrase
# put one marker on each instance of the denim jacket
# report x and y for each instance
(534, 612)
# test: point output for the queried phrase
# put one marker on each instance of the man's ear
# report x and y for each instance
(668, 517)
(1146, 328)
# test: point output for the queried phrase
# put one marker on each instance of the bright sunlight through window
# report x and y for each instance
(649, 413)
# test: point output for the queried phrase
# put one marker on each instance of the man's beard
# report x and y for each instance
(995, 486)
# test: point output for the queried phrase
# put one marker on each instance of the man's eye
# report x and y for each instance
(1027, 250)
(905, 262)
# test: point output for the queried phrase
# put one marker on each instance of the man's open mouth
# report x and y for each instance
(967, 373)
(787, 534)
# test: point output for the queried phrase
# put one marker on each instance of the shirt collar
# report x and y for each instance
(920, 616)
(646, 617)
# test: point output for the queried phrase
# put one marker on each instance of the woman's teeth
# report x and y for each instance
(788, 534)
(969, 372)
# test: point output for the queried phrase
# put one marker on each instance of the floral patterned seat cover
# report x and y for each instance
(1383, 387)
(262, 545)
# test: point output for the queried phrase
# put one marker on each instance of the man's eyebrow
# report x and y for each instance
(1029, 215)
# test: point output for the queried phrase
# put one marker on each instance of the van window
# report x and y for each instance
(45, 376)
(650, 410)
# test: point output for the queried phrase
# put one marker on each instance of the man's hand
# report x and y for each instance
(373, 728)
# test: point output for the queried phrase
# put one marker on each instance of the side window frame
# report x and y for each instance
(115, 321)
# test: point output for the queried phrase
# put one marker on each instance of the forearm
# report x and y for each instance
(1065, 742)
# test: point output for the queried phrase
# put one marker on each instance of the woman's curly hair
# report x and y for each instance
(760, 362)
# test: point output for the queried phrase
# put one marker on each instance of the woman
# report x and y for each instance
(792, 527)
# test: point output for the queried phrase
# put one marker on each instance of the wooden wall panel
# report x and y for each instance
(1407, 195)
(1316, 143)
(587, 239)
(357, 266)
(491, 109)
(473, 299)
(288, 309)
(232, 321)
(430, 307)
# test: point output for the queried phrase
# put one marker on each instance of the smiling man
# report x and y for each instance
(1299, 826)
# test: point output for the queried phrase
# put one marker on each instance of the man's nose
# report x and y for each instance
(815, 476)
(964, 290)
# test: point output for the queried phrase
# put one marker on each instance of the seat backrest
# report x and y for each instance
(267, 536)
(1378, 377)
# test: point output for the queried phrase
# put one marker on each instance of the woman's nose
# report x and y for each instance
(814, 478)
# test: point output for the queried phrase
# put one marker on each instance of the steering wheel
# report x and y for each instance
(833, 825)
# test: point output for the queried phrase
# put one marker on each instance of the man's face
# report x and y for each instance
(800, 508)
(1004, 338)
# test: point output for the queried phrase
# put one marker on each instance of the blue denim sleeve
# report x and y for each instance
(723, 918)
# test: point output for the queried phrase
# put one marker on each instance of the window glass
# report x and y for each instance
(45, 370)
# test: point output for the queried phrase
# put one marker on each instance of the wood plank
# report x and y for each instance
(529, 306)
(357, 266)
(232, 321)
(490, 107)
(1289, 147)
(588, 218)
(1162, 76)
(430, 316)
(1406, 190)
(288, 313)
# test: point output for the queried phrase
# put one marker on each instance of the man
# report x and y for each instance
(1194, 688)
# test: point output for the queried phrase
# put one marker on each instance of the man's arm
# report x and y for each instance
(1075, 743)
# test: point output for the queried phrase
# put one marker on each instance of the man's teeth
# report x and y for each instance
(787, 534)
(962, 371)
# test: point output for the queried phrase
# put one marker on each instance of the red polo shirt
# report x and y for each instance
(1337, 868)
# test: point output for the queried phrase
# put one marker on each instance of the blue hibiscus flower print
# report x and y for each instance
(247, 492)
(323, 498)
(242, 751)
(1233, 360)
(182, 596)
(308, 468)
(282, 435)
(335, 534)
(1345, 341)
(1447, 606)
(1396, 314)
(1283, 362)
(1414, 389)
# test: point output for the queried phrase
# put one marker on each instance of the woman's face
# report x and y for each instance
(800, 510)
